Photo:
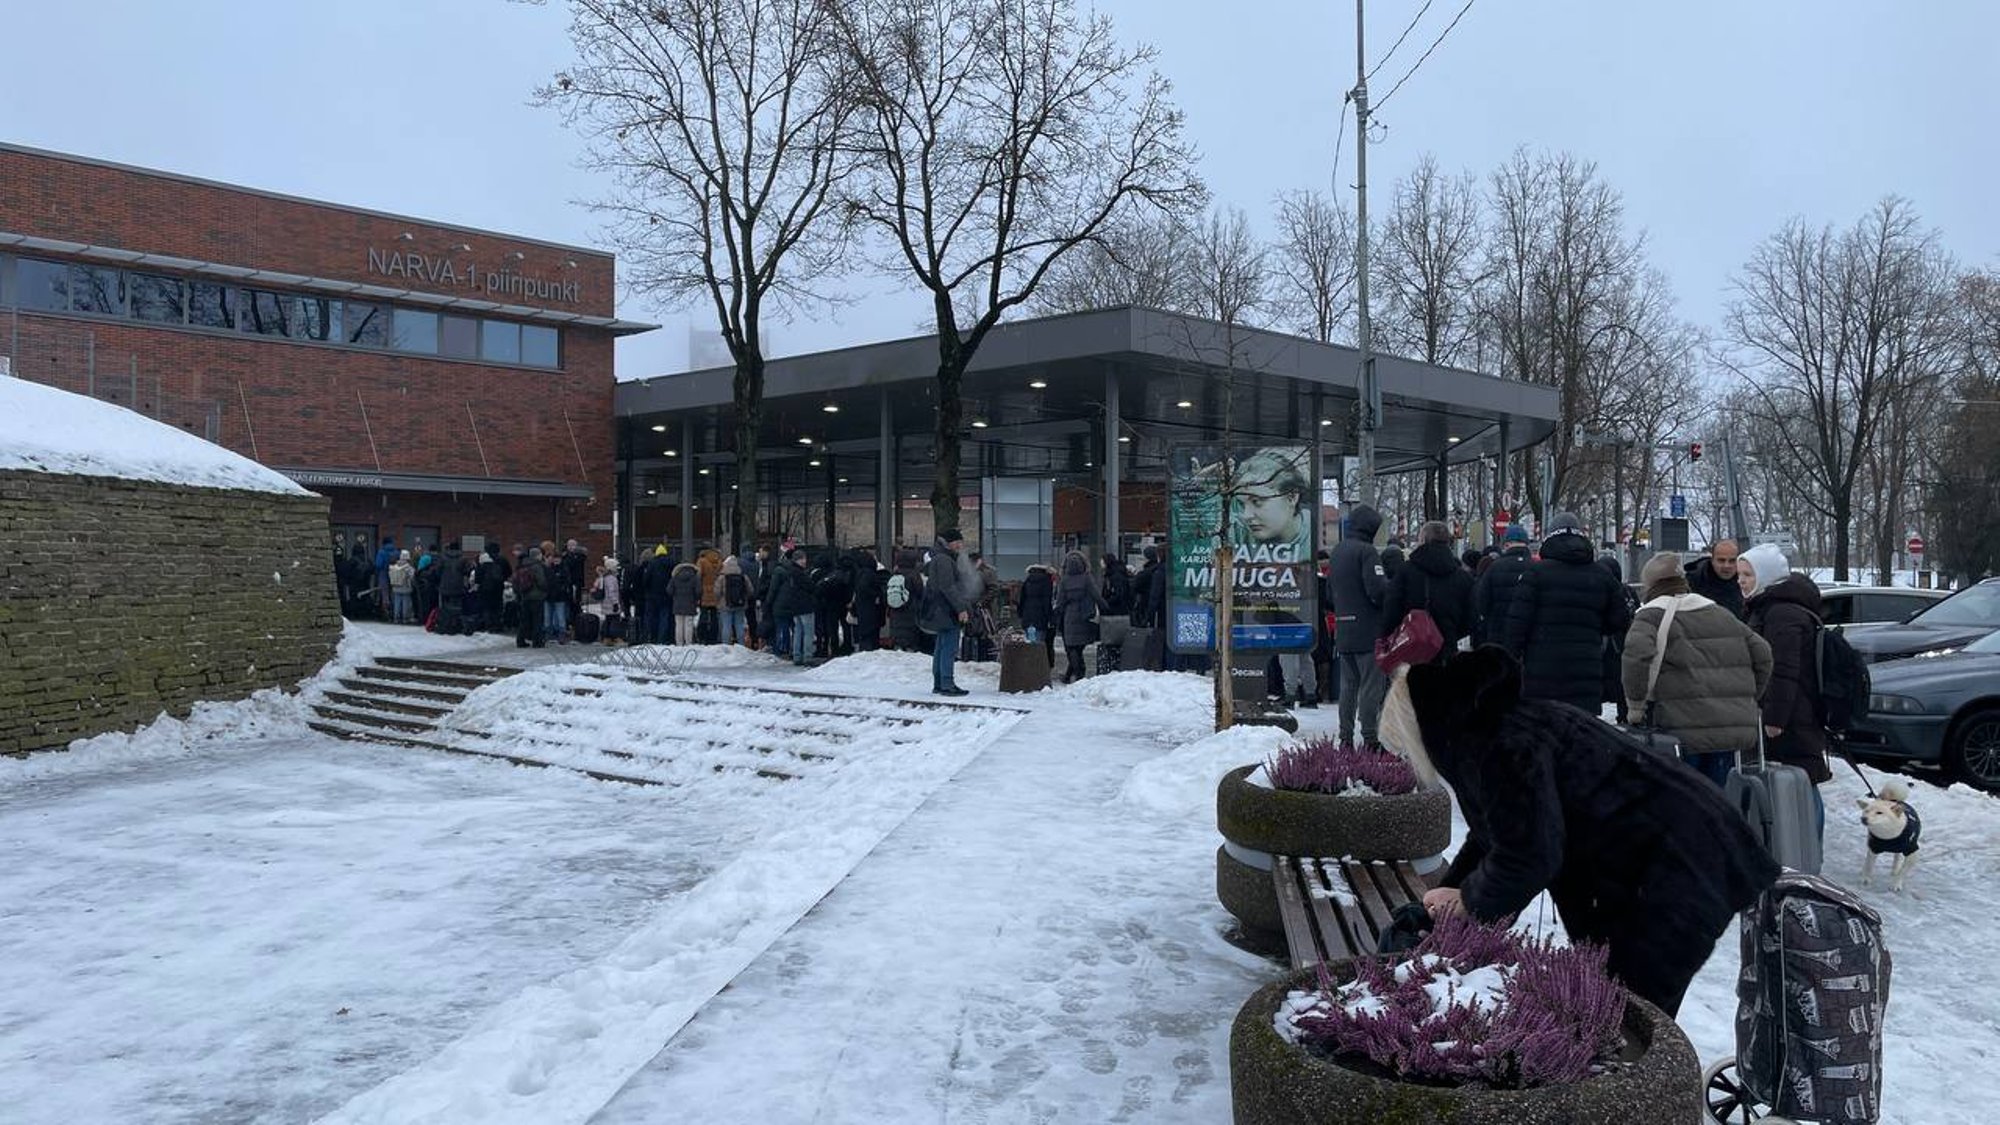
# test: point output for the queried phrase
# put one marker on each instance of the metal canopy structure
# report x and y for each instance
(1092, 400)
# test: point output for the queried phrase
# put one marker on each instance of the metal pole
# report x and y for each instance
(1112, 424)
(885, 483)
(1371, 391)
(687, 488)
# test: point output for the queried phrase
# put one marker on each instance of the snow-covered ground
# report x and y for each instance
(53, 431)
(1008, 918)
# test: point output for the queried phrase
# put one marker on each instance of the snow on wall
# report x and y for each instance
(43, 429)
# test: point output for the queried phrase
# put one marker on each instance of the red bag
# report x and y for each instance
(1415, 641)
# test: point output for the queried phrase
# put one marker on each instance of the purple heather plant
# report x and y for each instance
(1322, 765)
(1432, 1019)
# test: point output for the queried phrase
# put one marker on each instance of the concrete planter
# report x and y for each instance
(1244, 889)
(1656, 1082)
(1024, 666)
(1277, 822)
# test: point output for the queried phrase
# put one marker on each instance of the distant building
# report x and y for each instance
(430, 380)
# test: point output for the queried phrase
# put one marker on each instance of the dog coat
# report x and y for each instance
(1904, 842)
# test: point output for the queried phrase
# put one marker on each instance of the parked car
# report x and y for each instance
(1874, 605)
(1938, 709)
(1945, 626)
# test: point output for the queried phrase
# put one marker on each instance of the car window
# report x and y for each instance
(1990, 643)
(1889, 607)
(1975, 607)
(1837, 609)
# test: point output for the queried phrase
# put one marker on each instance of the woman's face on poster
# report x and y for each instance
(1268, 516)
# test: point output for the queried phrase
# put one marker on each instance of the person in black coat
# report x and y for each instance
(1038, 607)
(904, 630)
(1356, 584)
(1614, 645)
(1784, 609)
(1493, 593)
(451, 591)
(1560, 615)
(1637, 851)
(867, 601)
(1714, 578)
(1078, 600)
(657, 587)
(1142, 589)
(1433, 580)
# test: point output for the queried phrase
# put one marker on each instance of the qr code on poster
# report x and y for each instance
(1190, 629)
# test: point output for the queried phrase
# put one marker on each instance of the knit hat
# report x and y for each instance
(1516, 534)
(1767, 564)
(1662, 576)
(949, 535)
(1565, 521)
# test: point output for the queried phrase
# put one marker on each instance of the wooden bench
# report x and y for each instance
(1335, 908)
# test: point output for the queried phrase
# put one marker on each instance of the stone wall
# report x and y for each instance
(121, 599)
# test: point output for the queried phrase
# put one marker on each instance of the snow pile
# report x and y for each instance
(1182, 782)
(900, 669)
(46, 430)
(209, 727)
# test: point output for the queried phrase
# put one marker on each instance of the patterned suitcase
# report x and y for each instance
(1810, 1002)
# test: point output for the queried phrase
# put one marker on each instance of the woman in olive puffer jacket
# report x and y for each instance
(1714, 672)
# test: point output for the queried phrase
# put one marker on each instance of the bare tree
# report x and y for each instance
(1227, 275)
(1831, 327)
(1558, 261)
(1428, 267)
(1144, 261)
(1002, 135)
(1963, 496)
(1313, 264)
(722, 123)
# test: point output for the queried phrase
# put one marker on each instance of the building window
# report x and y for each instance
(539, 346)
(366, 325)
(458, 337)
(213, 305)
(41, 285)
(319, 319)
(415, 331)
(500, 341)
(162, 300)
(271, 314)
(97, 289)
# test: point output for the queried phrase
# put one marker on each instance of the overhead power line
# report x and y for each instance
(1399, 39)
(1427, 54)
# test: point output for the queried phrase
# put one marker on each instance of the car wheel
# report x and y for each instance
(1972, 751)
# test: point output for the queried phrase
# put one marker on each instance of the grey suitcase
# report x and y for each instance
(1777, 800)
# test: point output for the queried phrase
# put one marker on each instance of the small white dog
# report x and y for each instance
(1893, 829)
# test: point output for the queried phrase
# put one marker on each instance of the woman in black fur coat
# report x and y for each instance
(1637, 851)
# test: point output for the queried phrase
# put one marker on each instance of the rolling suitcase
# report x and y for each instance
(614, 628)
(1777, 800)
(587, 625)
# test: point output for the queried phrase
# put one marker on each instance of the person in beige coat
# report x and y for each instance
(1714, 672)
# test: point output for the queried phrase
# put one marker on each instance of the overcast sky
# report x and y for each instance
(1717, 119)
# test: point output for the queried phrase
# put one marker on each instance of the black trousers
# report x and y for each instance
(529, 631)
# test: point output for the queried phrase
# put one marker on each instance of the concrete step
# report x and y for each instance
(357, 733)
(488, 672)
(375, 719)
(372, 702)
(424, 676)
(449, 697)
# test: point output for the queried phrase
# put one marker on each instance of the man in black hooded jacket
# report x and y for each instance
(1561, 614)
(1358, 586)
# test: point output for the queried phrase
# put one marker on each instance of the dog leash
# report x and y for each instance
(1835, 740)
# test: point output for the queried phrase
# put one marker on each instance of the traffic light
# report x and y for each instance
(1694, 451)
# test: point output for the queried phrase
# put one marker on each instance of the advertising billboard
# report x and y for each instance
(1263, 498)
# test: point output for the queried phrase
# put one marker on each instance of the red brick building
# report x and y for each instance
(433, 381)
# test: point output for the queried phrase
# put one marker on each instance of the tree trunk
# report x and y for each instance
(1225, 657)
(749, 404)
(950, 412)
(1843, 512)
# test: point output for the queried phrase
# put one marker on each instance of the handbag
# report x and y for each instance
(1646, 732)
(1113, 628)
(1417, 640)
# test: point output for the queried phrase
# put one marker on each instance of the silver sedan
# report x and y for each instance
(1939, 708)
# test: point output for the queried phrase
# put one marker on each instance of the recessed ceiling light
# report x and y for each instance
(1452, 440)
(913, 496)
(652, 492)
(979, 425)
(732, 488)
(805, 441)
(830, 408)
(1090, 464)
(659, 429)
(670, 453)
(1127, 440)
(704, 472)
(1184, 404)
(814, 462)
(1039, 385)
(843, 480)
(1326, 421)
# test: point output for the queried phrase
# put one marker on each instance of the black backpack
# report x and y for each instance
(1843, 681)
(735, 590)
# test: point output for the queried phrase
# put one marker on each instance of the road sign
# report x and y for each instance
(1677, 506)
(1916, 545)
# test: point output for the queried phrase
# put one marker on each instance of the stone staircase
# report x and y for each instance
(398, 700)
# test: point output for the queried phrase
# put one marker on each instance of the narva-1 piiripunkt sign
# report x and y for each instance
(1264, 500)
